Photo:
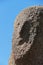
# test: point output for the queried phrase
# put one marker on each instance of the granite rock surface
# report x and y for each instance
(27, 42)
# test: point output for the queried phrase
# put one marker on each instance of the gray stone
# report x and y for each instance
(27, 44)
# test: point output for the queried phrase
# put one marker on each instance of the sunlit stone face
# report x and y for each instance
(28, 37)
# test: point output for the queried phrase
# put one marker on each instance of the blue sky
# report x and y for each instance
(9, 9)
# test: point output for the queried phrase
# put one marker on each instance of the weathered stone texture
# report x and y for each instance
(27, 44)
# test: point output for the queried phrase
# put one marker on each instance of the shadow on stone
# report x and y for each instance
(24, 33)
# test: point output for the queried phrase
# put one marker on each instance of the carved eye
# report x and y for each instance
(25, 29)
(24, 33)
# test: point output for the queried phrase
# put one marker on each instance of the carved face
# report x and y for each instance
(28, 37)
